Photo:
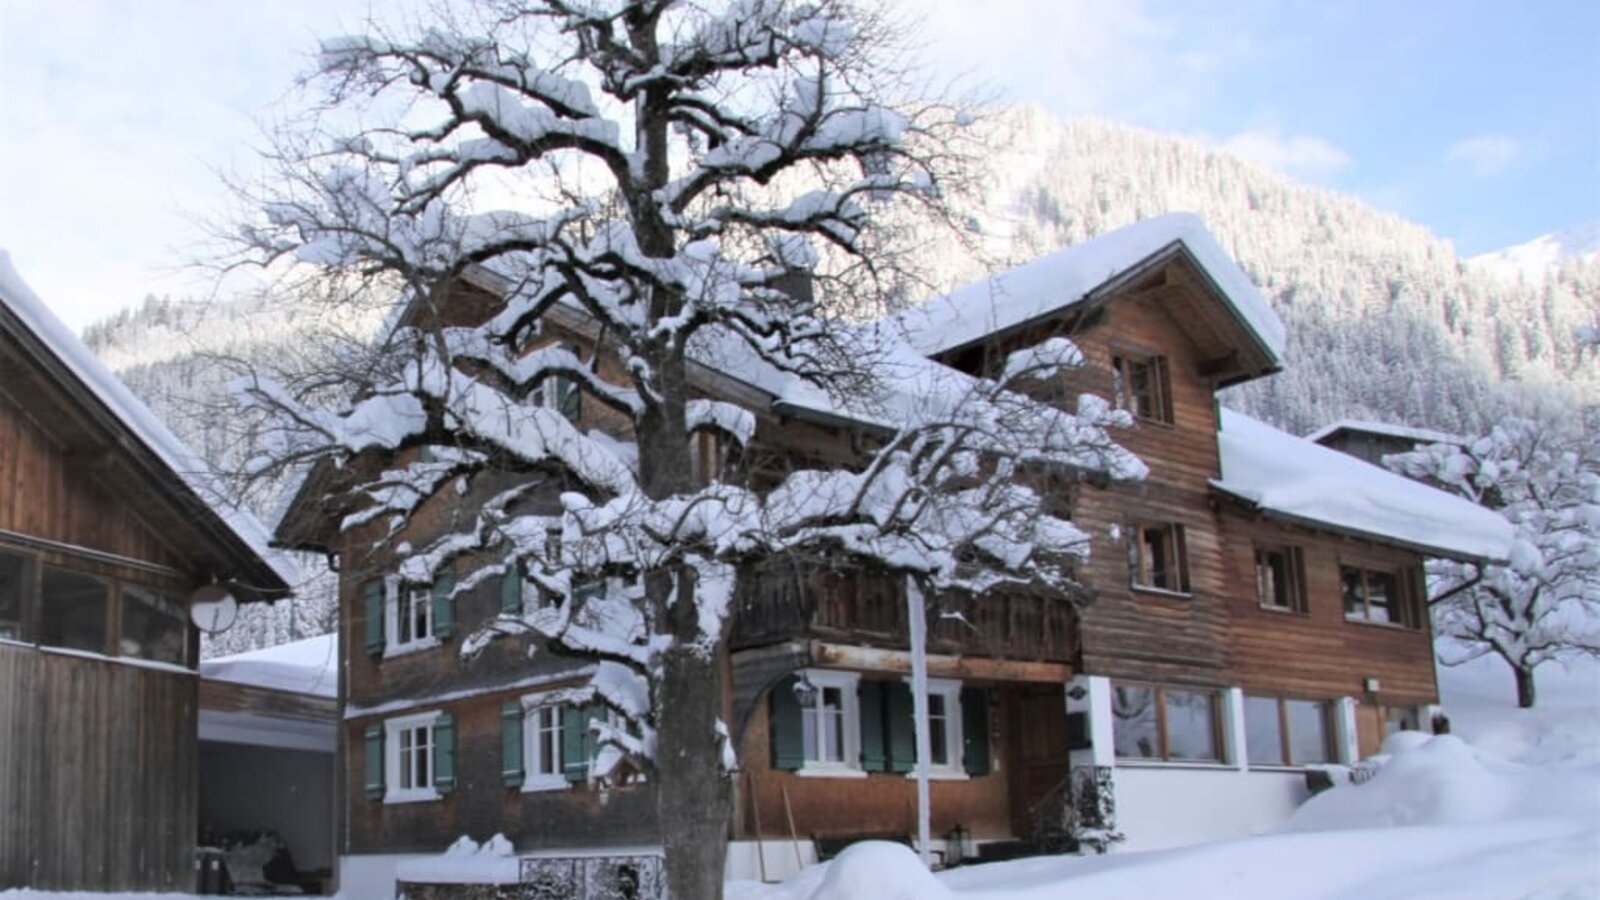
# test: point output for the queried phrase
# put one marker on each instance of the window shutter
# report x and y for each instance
(444, 603)
(511, 766)
(574, 742)
(444, 753)
(787, 738)
(511, 593)
(975, 731)
(375, 598)
(900, 726)
(374, 768)
(874, 755)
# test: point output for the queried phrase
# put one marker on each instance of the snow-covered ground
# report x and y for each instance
(1507, 807)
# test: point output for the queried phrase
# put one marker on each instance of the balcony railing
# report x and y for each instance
(785, 603)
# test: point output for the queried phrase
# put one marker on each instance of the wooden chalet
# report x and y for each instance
(1239, 628)
(104, 535)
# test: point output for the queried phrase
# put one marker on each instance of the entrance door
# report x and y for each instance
(1036, 732)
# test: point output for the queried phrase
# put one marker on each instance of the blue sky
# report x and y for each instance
(1477, 119)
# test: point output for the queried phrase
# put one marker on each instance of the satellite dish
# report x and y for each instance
(212, 609)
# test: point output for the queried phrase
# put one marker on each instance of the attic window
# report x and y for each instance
(1158, 559)
(1140, 384)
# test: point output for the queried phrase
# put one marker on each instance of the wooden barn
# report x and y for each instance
(106, 530)
(1256, 608)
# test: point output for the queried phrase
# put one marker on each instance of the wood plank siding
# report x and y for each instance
(99, 779)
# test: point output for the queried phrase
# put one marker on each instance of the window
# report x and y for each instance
(709, 456)
(562, 393)
(13, 588)
(1162, 723)
(1282, 732)
(546, 765)
(1280, 579)
(411, 764)
(153, 626)
(828, 721)
(418, 616)
(1140, 385)
(73, 610)
(1157, 557)
(944, 726)
(1375, 595)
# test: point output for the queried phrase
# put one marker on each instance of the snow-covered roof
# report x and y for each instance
(1057, 282)
(1303, 481)
(310, 666)
(1403, 432)
(37, 318)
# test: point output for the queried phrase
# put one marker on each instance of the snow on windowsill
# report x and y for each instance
(936, 775)
(395, 797)
(390, 651)
(816, 771)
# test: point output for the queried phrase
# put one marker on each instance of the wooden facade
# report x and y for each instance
(101, 542)
(1206, 630)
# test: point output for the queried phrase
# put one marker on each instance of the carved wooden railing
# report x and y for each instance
(783, 603)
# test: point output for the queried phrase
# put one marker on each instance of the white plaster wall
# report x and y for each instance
(777, 856)
(1170, 807)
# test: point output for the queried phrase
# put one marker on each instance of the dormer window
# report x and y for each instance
(1140, 385)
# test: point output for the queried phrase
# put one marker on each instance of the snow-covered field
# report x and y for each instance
(1507, 807)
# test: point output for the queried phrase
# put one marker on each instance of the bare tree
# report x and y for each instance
(1544, 604)
(683, 171)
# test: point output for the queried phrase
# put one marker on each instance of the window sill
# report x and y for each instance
(1161, 592)
(821, 771)
(1181, 764)
(540, 784)
(942, 775)
(1372, 623)
(1290, 769)
(394, 797)
(390, 651)
(1283, 610)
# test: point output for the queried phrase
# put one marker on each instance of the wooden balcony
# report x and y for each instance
(781, 604)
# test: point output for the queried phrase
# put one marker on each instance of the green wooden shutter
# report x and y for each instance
(374, 608)
(574, 740)
(975, 731)
(874, 753)
(787, 738)
(511, 766)
(444, 753)
(511, 593)
(374, 769)
(900, 726)
(568, 396)
(444, 603)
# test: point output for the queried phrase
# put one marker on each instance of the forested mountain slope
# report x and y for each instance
(1385, 321)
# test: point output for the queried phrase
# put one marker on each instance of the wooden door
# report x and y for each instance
(1036, 738)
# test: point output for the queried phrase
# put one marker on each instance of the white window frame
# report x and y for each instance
(848, 684)
(394, 595)
(392, 730)
(532, 756)
(954, 766)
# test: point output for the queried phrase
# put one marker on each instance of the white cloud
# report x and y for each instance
(1488, 154)
(1301, 155)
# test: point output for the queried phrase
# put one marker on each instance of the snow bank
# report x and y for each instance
(1300, 480)
(1444, 781)
(465, 862)
(1062, 279)
(879, 870)
(1562, 729)
(37, 318)
(310, 666)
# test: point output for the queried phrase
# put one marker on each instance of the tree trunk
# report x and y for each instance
(694, 798)
(1526, 694)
